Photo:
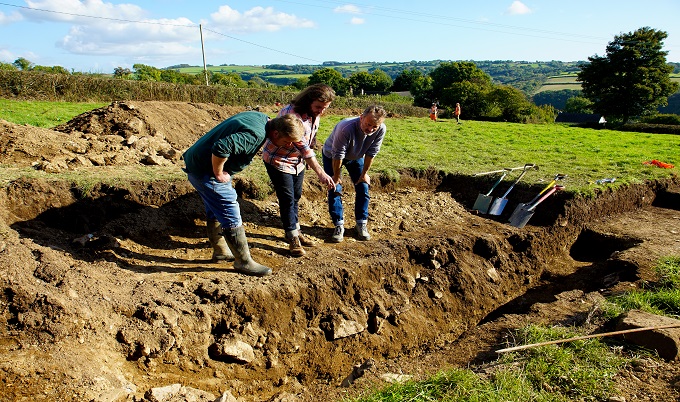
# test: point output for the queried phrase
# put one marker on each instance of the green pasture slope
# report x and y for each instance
(568, 81)
(233, 69)
(584, 155)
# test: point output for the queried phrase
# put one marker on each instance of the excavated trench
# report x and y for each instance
(114, 292)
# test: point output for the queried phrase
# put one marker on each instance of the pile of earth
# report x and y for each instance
(111, 295)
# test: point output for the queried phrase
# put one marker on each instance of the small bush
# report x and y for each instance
(668, 119)
(649, 128)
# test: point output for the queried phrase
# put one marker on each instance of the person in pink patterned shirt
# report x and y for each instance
(286, 164)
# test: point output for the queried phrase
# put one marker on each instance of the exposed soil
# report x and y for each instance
(139, 304)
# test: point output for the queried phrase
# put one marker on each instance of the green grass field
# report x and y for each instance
(236, 69)
(584, 155)
(43, 114)
(568, 81)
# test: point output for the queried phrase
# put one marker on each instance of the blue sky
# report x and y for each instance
(98, 35)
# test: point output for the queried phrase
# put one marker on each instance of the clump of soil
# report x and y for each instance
(110, 294)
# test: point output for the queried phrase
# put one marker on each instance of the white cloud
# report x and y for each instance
(74, 10)
(518, 8)
(347, 9)
(357, 21)
(257, 19)
(108, 33)
(155, 38)
(125, 29)
(6, 19)
(6, 56)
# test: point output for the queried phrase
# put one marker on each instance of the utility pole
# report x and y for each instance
(205, 70)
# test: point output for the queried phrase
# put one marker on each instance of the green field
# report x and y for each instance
(235, 69)
(568, 81)
(412, 143)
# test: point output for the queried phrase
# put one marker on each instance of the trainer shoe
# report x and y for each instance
(362, 232)
(338, 234)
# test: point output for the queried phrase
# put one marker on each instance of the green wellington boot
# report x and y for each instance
(221, 251)
(243, 262)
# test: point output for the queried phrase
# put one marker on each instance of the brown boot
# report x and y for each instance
(304, 240)
(221, 251)
(294, 246)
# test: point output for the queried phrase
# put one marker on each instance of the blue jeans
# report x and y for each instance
(288, 189)
(354, 168)
(219, 200)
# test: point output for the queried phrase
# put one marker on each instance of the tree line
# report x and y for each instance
(632, 80)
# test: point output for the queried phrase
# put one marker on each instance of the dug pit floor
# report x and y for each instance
(139, 304)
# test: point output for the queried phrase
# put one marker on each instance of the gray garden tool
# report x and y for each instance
(484, 200)
(521, 218)
(499, 203)
(521, 206)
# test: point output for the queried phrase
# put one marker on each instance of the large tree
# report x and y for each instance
(330, 77)
(632, 79)
(448, 73)
(405, 80)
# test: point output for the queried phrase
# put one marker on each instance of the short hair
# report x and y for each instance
(376, 111)
(288, 126)
(316, 92)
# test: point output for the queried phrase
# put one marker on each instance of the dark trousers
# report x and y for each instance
(288, 189)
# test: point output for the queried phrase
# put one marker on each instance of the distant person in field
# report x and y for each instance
(210, 164)
(456, 113)
(286, 163)
(433, 112)
(353, 143)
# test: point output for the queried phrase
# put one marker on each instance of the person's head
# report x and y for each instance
(372, 118)
(313, 100)
(285, 129)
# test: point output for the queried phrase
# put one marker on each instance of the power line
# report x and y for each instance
(97, 17)
(560, 35)
(263, 47)
(161, 23)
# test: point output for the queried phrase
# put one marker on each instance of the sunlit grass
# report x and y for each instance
(661, 297)
(584, 155)
(580, 370)
(42, 113)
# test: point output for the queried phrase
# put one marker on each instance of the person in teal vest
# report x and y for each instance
(210, 164)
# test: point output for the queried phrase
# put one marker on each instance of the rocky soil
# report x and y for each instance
(109, 293)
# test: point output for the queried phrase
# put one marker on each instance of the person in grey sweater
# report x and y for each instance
(353, 143)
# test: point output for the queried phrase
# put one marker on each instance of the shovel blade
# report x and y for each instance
(521, 218)
(482, 203)
(517, 210)
(497, 206)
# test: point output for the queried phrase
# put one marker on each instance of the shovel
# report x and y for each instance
(522, 217)
(484, 200)
(521, 206)
(499, 203)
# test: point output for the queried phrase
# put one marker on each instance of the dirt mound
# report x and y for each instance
(109, 294)
(123, 133)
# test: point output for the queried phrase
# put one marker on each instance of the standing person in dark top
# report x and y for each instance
(216, 157)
